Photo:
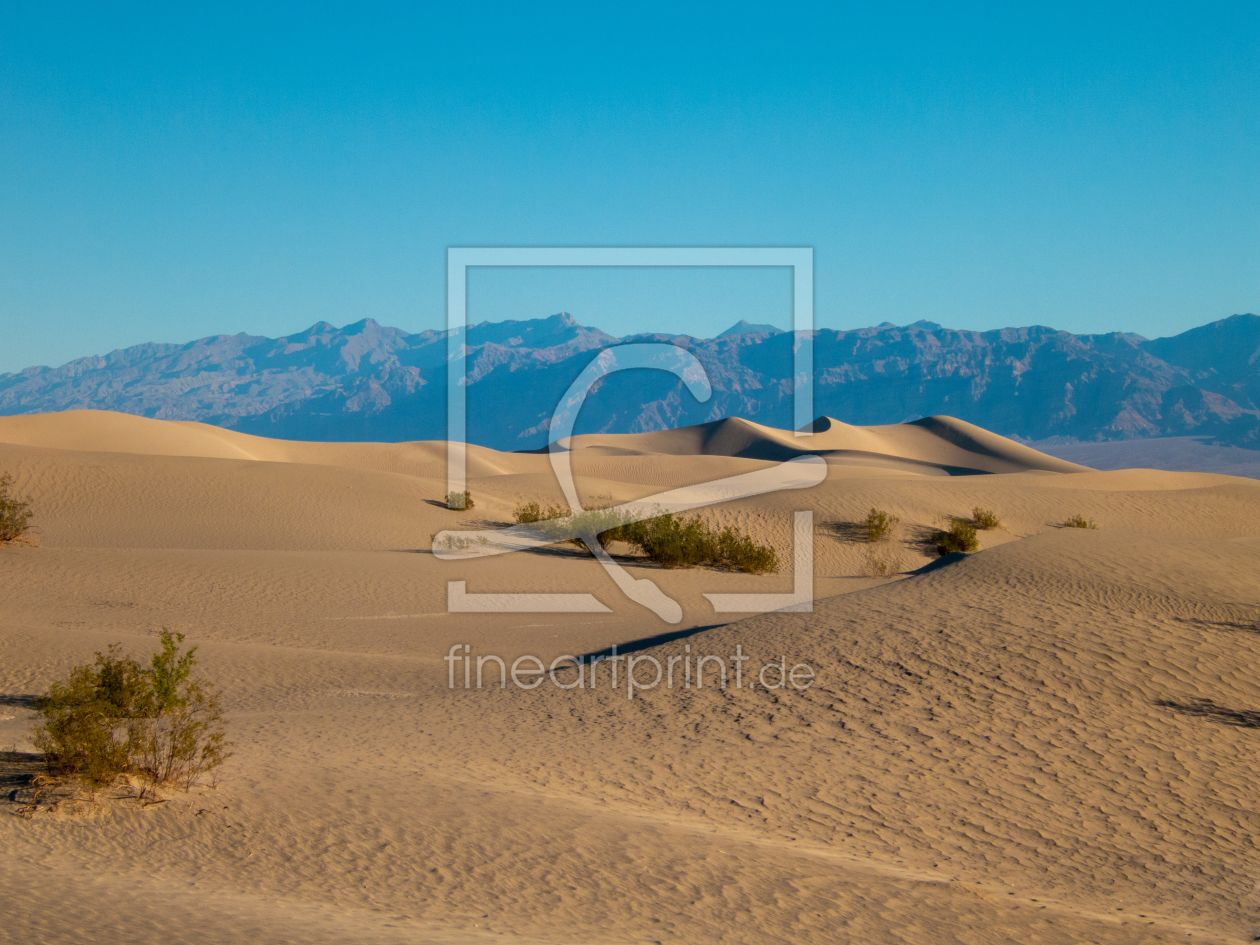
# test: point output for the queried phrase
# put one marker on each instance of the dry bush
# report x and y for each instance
(459, 501)
(880, 525)
(984, 519)
(960, 536)
(1079, 521)
(47, 794)
(15, 512)
(883, 563)
(114, 716)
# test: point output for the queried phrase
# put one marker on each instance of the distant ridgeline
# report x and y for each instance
(369, 382)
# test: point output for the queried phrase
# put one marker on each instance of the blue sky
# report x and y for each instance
(168, 173)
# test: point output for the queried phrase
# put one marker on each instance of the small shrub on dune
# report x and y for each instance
(675, 542)
(83, 734)
(15, 512)
(669, 540)
(459, 501)
(114, 717)
(880, 525)
(984, 519)
(741, 553)
(884, 563)
(533, 512)
(178, 733)
(960, 536)
(1080, 521)
(595, 519)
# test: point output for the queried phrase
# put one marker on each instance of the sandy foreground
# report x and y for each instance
(1053, 740)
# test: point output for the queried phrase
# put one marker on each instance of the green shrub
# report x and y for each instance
(15, 513)
(84, 729)
(674, 542)
(1079, 521)
(984, 519)
(178, 734)
(879, 525)
(114, 717)
(533, 512)
(459, 501)
(740, 553)
(960, 536)
(669, 540)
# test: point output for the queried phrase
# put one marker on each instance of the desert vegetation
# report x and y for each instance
(879, 525)
(598, 521)
(159, 724)
(984, 519)
(460, 501)
(960, 535)
(1080, 521)
(883, 561)
(532, 512)
(675, 542)
(670, 540)
(15, 512)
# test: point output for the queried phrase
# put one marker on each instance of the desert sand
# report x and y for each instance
(1184, 453)
(1052, 740)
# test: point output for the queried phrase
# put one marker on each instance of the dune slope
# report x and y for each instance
(941, 445)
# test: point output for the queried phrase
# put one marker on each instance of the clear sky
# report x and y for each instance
(168, 173)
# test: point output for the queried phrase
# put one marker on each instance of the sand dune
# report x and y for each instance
(102, 431)
(935, 443)
(1048, 741)
(932, 445)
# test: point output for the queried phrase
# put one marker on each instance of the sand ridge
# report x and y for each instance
(931, 443)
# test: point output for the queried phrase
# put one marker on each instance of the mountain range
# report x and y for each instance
(370, 382)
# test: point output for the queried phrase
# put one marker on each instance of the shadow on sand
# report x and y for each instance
(1207, 709)
(634, 646)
